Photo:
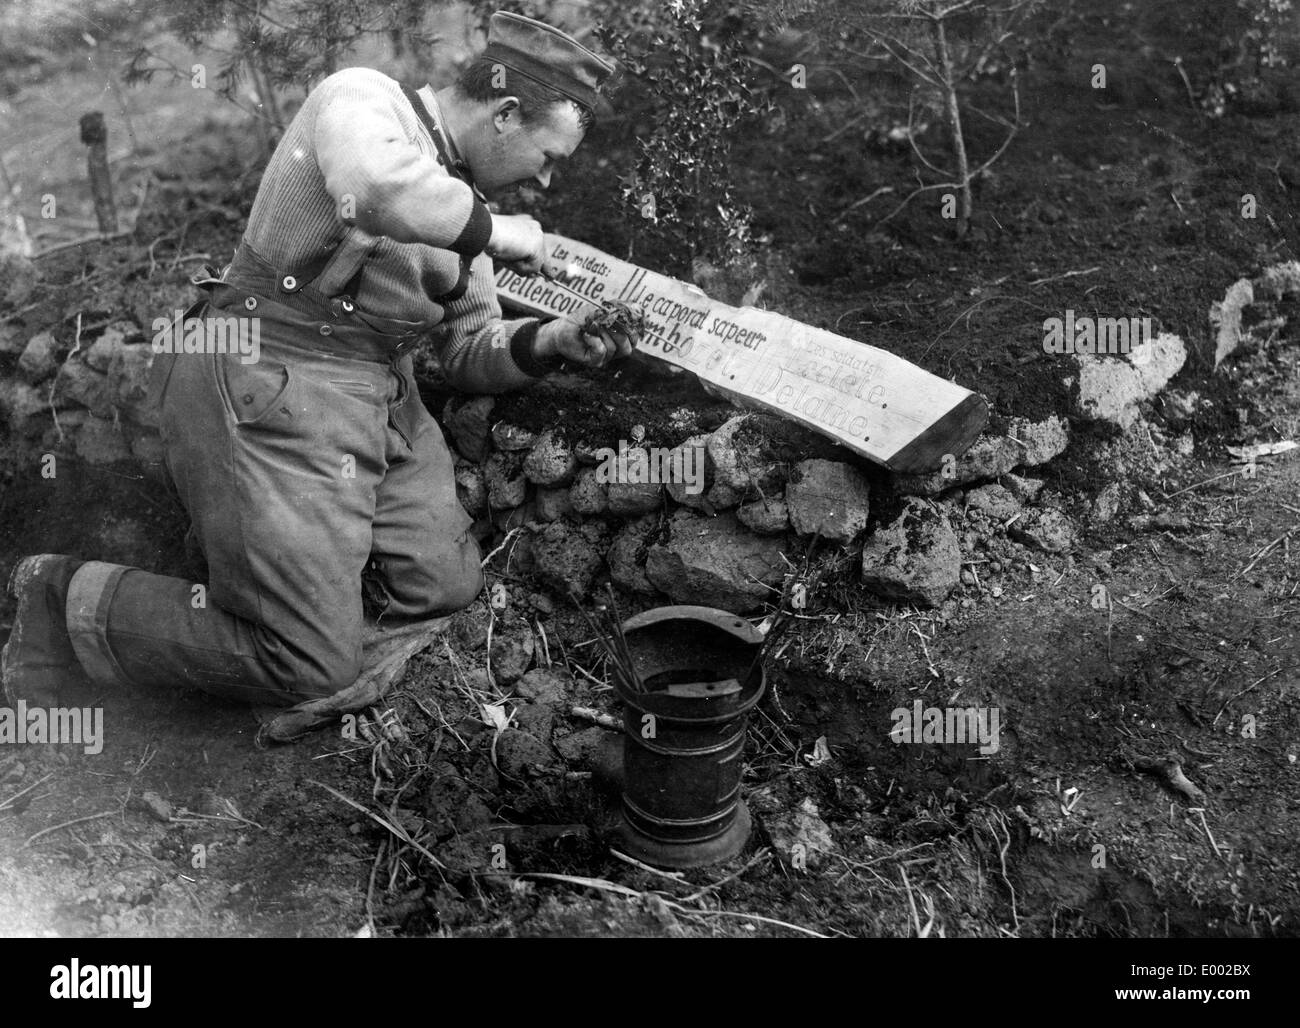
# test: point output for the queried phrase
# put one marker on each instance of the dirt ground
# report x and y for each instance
(1076, 826)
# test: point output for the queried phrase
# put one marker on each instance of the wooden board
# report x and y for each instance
(876, 404)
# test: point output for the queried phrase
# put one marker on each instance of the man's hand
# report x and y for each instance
(563, 338)
(517, 240)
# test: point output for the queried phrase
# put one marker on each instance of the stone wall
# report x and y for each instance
(85, 397)
(728, 540)
(631, 505)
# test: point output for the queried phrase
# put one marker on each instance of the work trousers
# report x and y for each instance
(308, 476)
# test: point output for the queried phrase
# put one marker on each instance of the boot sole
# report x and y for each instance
(11, 588)
(24, 572)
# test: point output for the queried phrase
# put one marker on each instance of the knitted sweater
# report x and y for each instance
(356, 152)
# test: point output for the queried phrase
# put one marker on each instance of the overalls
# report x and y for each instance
(308, 475)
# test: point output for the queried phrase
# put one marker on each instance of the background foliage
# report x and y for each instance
(699, 74)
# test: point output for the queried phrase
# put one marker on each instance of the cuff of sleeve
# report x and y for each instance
(474, 237)
(521, 350)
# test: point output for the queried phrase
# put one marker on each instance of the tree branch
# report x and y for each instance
(1015, 128)
(912, 140)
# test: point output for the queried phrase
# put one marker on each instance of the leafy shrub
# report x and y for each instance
(687, 80)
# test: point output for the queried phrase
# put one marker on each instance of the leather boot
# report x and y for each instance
(39, 661)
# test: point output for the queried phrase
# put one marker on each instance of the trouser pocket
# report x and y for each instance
(254, 393)
(353, 387)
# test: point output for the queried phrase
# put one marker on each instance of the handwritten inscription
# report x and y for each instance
(867, 398)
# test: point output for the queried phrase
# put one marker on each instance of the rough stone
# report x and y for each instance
(765, 516)
(20, 404)
(40, 358)
(519, 753)
(543, 604)
(916, 559)
(1110, 390)
(1181, 404)
(18, 278)
(584, 748)
(469, 423)
(1107, 503)
(627, 555)
(544, 685)
(587, 454)
(567, 557)
(1048, 530)
(1041, 441)
(100, 441)
(506, 484)
(714, 562)
(508, 518)
(471, 489)
(511, 438)
(1277, 280)
(631, 498)
(537, 719)
(512, 653)
(989, 457)
(152, 804)
(58, 436)
(723, 458)
(128, 384)
(553, 504)
(551, 461)
(587, 494)
(11, 338)
(689, 488)
(1161, 522)
(721, 497)
(829, 498)
(82, 385)
(1023, 489)
(469, 628)
(100, 353)
(734, 465)
(998, 502)
(482, 530)
(797, 829)
(1225, 316)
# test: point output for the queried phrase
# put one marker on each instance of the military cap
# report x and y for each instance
(547, 55)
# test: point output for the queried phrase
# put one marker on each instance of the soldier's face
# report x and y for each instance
(528, 149)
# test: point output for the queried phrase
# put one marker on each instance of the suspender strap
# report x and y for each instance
(456, 168)
(345, 263)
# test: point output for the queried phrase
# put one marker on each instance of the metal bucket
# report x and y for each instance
(685, 735)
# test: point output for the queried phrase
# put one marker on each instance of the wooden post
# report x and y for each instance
(95, 136)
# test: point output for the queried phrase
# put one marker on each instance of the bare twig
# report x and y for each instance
(397, 830)
(759, 857)
(18, 795)
(1207, 481)
(67, 824)
(1236, 696)
(1265, 551)
(596, 717)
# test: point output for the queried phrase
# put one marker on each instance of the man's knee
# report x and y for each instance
(447, 589)
(315, 668)
(464, 589)
(430, 586)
